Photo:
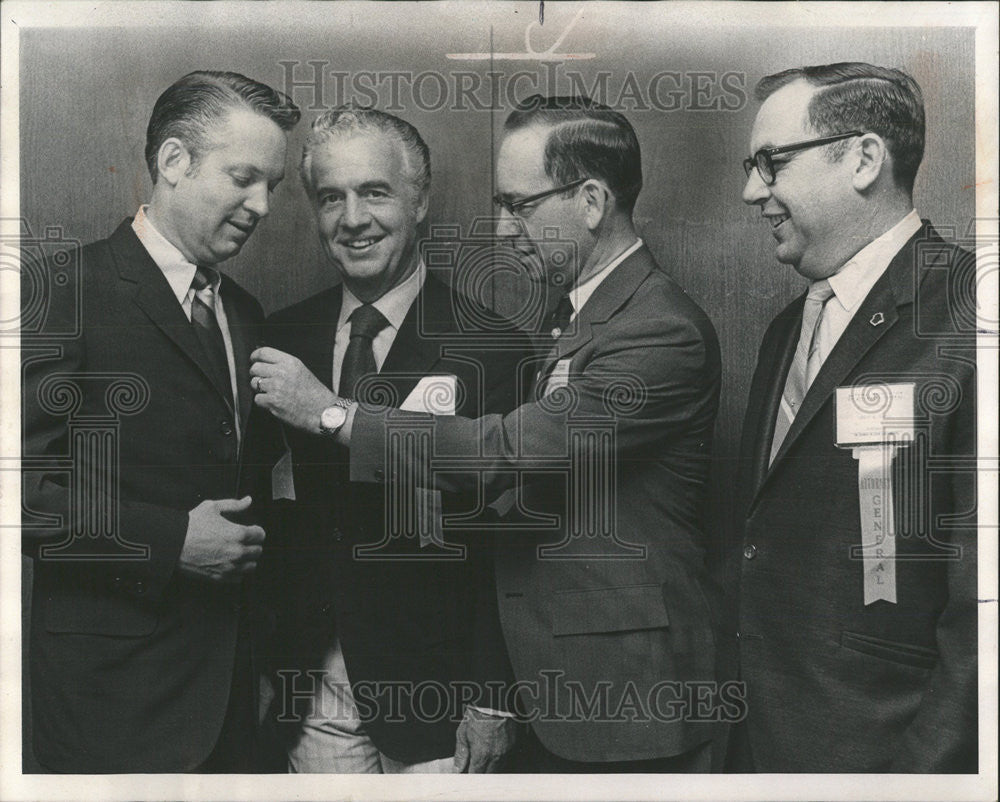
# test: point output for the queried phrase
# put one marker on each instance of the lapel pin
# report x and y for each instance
(877, 319)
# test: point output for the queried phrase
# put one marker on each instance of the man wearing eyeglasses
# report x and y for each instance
(600, 572)
(857, 613)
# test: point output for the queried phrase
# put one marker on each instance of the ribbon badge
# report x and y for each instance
(875, 421)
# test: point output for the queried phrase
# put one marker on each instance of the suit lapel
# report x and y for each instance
(876, 316)
(610, 295)
(416, 349)
(767, 399)
(315, 348)
(241, 335)
(156, 299)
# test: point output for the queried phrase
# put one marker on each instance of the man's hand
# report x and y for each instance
(215, 547)
(286, 388)
(482, 741)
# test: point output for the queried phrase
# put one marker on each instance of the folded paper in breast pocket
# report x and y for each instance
(434, 394)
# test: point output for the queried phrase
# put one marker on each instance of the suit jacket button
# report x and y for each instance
(338, 535)
(750, 551)
(226, 428)
(379, 475)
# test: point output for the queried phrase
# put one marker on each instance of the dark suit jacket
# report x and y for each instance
(351, 563)
(616, 605)
(834, 685)
(130, 661)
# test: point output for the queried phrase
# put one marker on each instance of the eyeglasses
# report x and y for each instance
(513, 208)
(765, 165)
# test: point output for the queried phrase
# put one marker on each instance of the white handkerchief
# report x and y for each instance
(434, 394)
(282, 480)
(558, 376)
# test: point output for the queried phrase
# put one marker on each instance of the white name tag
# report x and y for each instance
(869, 414)
(434, 394)
(558, 376)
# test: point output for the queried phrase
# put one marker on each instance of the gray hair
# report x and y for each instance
(346, 120)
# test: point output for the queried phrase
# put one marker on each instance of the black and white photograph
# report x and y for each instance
(508, 389)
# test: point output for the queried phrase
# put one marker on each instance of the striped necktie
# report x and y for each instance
(206, 326)
(805, 364)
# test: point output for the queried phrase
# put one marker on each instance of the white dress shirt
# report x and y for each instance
(179, 273)
(393, 305)
(580, 294)
(852, 283)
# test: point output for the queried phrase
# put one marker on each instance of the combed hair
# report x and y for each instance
(349, 120)
(586, 140)
(188, 108)
(863, 97)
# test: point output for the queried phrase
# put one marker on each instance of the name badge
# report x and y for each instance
(558, 376)
(875, 421)
(434, 394)
(874, 413)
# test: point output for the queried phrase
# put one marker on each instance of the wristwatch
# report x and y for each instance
(332, 418)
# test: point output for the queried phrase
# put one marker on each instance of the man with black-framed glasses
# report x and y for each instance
(857, 612)
(600, 578)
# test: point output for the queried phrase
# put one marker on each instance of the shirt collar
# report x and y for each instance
(852, 283)
(579, 295)
(393, 305)
(177, 270)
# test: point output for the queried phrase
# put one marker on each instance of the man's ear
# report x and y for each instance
(422, 201)
(874, 157)
(173, 160)
(597, 199)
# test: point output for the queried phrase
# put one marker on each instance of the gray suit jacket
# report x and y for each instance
(600, 576)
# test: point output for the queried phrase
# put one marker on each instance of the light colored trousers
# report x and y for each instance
(333, 738)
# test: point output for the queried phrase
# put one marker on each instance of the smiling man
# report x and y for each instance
(139, 657)
(377, 624)
(857, 609)
(602, 593)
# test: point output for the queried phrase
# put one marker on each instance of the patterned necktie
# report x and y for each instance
(359, 359)
(805, 364)
(206, 326)
(560, 317)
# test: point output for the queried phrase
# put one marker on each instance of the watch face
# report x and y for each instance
(332, 418)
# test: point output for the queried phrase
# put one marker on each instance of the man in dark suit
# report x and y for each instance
(136, 404)
(377, 623)
(600, 576)
(857, 609)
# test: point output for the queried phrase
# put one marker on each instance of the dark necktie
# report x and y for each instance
(559, 319)
(359, 359)
(206, 326)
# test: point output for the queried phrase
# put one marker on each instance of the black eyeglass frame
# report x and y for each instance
(513, 207)
(762, 159)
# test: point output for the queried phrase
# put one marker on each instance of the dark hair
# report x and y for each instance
(189, 107)
(860, 96)
(347, 120)
(587, 140)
